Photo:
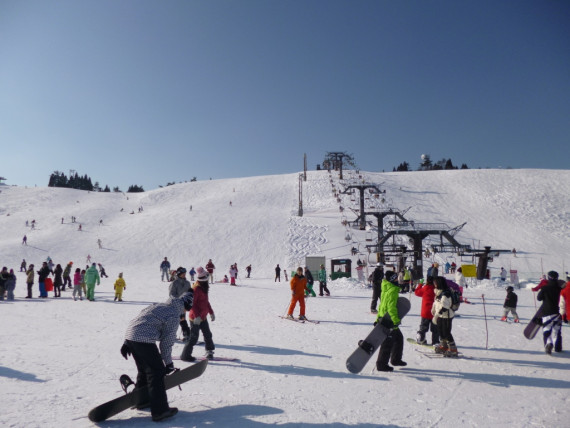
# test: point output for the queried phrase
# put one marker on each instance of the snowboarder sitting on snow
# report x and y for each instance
(199, 317)
(298, 287)
(393, 346)
(155, 323)
(443, 317)
(510, 304)
(549, 295)
(427, 293)
(119, 286)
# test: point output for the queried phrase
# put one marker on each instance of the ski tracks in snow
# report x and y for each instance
(304, 238)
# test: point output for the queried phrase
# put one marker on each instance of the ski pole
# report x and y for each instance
(486, 327)
(534, 297)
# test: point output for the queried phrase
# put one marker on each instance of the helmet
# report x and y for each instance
(378, 264)
(180, 271)
(553, 275)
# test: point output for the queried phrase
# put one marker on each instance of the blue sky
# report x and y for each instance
(151, 92)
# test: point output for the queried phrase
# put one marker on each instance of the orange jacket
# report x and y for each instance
(298, 285)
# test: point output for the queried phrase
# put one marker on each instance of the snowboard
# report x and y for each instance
(140, 395)
(366, 348)
(415, 342)
(534, 325)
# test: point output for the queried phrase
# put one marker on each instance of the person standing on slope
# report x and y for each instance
(298, 287)
(67, 276)
(210, 268)
(392, 348)
(310, 282)
(91, 278)
(427, 293)
(165, 269)
(549, 295)
(177, 288)
(155, 323)
(277, 273)
(443, 317)
(323, 281)
(198, 315)
(377, 277)
(565, 300)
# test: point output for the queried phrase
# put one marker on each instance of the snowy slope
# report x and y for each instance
(61, 357)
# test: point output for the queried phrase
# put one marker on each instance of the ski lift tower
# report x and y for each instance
(335, 159)
(361, 220)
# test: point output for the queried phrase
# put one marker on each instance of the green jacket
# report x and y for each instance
(389, 302)
(92, 276)
(323, 275)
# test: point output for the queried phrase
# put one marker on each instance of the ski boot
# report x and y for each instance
(209, 355)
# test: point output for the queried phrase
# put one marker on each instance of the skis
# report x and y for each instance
(434, 355)
(213, 359)
(298, 320)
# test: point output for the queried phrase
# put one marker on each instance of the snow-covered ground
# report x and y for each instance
(60, 358)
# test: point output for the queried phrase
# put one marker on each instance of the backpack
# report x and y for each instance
(455, 299)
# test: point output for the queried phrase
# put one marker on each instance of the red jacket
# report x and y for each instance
(427, 293)
(540, 285)
(201, 305)
(565, 294)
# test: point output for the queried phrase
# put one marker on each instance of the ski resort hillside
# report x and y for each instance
(61, 357)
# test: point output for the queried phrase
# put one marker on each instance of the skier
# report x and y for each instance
(377, 277)
(91, 278)
(233, 274)
(503, 274)
(155, 323)
(443, 317)
(77, 284)
(192, 272)
(310, 282)
(99, 243)
(298, 287)
(67, 276)
(210, 268)
(510, 304)
(177, 288)
(164, 269)
(427, 293)
(119, 286)
(25, 240)
(23, 265)
(248, 270)
(102, 272)
(198, 315)
(277, 273)
(393, 346)
(549, 295)
(323, 281)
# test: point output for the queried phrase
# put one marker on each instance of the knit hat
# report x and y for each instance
(553, 275)
(202, 274)
(391, 276)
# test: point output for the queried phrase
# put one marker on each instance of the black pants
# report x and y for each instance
(30, 286)
(195, 330)
(376, 290)
(444, 327)
(66, 281)
(323, 287)
(391, 349)
(151, 372)
(425, 326)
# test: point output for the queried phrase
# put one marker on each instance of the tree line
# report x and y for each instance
(75, 181)
(428, 165)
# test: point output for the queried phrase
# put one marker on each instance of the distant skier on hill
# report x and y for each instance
(210, 268)
(164, 269)
(277, 273)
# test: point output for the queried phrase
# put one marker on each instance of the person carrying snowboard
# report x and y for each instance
(298, 287)
(427, 293)
(549, 295)
(323, 281)
(198, 315)
(392, 348)
(510, 304)
(155, 323)
(310, 282)
(443, 317)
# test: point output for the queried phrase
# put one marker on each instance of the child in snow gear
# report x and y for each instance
(155, 323)
(393, 346)
(323, 281)
(427, 293)
(67, 276)
(310, 282)
(198, 315)
(443, 316)
(77, 284)
(510, 304)
(119, 286)
(549, 295)
(298, 287)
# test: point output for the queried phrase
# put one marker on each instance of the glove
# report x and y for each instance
(395, 327)
(125, 350)
(197, 321)
(565, 318)
(169, 368)
(213, 317)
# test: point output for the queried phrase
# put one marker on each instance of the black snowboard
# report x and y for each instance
(116, 406)
(534, 325)
(358, 359)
